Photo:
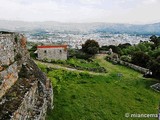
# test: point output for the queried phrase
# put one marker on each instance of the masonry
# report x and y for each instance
(55, 52)
(25, 91)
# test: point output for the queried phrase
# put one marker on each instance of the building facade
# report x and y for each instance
(55, 52)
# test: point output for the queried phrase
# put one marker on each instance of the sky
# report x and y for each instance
(81, 11)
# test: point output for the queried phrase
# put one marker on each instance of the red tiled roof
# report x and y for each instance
(53, 46)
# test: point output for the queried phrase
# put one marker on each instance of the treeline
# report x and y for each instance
(145, 54)
(89, 49)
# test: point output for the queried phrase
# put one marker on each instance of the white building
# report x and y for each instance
(55, 52)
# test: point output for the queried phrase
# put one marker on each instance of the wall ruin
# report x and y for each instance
(25, 91)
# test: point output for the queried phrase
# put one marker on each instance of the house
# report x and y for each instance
(55, 52)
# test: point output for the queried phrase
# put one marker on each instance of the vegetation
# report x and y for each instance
(142, 46)
(90, 47)
(115, 49)
(125, 58)
(140, 58)
(32, 47)
(89, 97)
(145, 54)
(80, 64)
(32, 50)
(155, 40)
(79, 54)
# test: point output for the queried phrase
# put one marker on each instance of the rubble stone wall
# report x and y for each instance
(25, 91)
(8, 77)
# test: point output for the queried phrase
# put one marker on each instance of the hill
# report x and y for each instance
(81, 27)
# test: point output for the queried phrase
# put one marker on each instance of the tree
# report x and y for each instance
(125, 45)
(114, 48)
(32, 50)
(155, 40)
(34, 47)
(154, 66)
(140, 59)
(158, 59)
(90, 47)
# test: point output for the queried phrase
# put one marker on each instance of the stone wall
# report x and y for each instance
(12, 54)
(52, 53)
(8, 77)
(135, 67)
(6, 49)
(130, 65)
(25, 92)
(33, 106)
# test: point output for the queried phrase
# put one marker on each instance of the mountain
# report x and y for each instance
(22, 26)
(130, 29)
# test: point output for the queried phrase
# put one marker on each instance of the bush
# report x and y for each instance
(140, 59)
(82, 55)
(125, 58)
(154, 66)
(33, 55)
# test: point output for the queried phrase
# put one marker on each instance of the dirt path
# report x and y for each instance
(66, 68)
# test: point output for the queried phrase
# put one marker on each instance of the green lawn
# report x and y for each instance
(80, 96)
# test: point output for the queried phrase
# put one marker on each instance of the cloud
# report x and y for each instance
(145, 12)
(80, 10)
(149, 1)
(91, 2)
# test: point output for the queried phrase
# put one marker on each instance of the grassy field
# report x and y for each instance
(80, 64)
(80, 96)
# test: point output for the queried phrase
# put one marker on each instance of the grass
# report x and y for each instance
(80, 64)
(79, 96)
(77, 62)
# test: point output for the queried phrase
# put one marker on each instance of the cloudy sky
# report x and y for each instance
(113, 11)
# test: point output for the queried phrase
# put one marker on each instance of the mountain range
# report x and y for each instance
(22, 26)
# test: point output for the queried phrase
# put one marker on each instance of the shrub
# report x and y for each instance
(125, 58)
(33, 55)
(82, 55)
(154, 66)
(140, 58)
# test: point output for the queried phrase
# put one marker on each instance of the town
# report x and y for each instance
(76, 39)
